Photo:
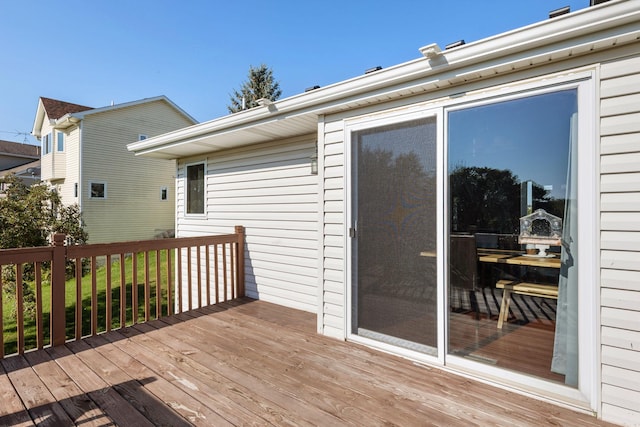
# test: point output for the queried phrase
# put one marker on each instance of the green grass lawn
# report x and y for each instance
(9, 322)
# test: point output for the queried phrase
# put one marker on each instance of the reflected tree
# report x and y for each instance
(485, 199)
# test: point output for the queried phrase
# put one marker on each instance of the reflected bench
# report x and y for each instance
(521, 288)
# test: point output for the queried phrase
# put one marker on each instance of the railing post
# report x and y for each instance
(240, 260)
(58, 333)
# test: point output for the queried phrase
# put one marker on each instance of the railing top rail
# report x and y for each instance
(25, 255)
(98, 249)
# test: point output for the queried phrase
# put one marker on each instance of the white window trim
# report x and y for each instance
(584, 79)
(184, 189)
(105, 190)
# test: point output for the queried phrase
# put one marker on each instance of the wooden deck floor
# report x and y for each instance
(248, 363)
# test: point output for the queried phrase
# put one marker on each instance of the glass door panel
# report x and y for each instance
(513, 298)
(394, 249)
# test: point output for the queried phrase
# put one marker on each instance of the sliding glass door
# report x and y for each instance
(394, 291)
(464, 235)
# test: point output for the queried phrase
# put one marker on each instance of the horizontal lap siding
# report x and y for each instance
(72, 167)
(620, 239)
(46, 160)
(333, 310)
(133, 209)
(269, 190)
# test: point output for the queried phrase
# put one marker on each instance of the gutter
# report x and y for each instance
(66, 121)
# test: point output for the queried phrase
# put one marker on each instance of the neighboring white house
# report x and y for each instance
(84, 155)
(416, 159)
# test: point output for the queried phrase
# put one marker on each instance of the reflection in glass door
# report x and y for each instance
(394, 292)
(513, 291)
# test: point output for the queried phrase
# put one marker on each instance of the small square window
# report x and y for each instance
(164, 193)
(97, 190)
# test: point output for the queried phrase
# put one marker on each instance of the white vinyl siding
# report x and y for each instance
(333, 282)
(268, 189)
(71, 162)
(620, 244)
(47, 172)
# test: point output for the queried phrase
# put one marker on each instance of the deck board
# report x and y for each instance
(248, 363)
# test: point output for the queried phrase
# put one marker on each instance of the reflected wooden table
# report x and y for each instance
(518, 258)
(508, 287)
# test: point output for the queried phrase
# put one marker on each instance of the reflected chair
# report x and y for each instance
(463, 267)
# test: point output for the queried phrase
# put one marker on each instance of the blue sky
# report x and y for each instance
(93, 52)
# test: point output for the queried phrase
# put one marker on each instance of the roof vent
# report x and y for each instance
(372, 70)
(454, 44)
(309, 89)
(558, 12)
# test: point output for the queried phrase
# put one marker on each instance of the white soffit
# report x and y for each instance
(578, 33)
(195, 143)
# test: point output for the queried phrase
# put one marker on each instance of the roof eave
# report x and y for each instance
(518, 48)
(82, 114)
(37, 123)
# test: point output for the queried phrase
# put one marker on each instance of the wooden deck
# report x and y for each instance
(247, 363)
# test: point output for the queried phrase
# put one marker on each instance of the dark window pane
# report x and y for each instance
(98, 190)
(195, 188)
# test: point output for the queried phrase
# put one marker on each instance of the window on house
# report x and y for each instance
(46, 143)
(195, 188)
(60, 141)
(142, 137)
(97, 190)
(164, 193)
(75, 190)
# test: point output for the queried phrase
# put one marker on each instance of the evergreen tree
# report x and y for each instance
(260, 84)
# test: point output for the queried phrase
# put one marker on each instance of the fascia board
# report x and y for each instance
(37, 123)
(82, 114)
(556, 30)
